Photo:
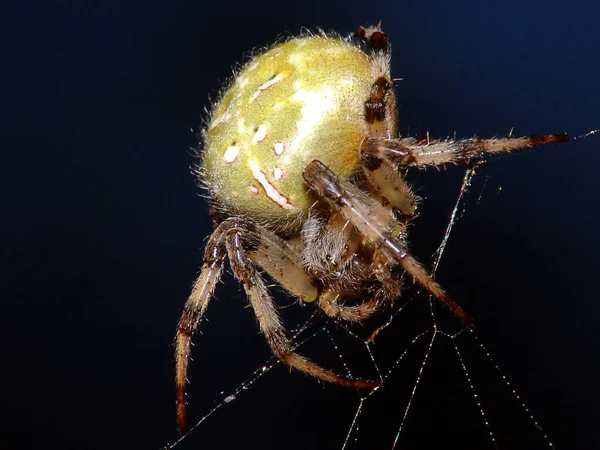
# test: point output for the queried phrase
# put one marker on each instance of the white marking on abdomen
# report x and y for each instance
(270, 190)
(231, 153)
(222, 118)
(279, 148)
(267, 84)
(260, 134)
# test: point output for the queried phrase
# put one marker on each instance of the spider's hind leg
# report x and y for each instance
(247, 246)
(240, 245)
(195, 307)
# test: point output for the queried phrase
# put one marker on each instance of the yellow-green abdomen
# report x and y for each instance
(299, 101)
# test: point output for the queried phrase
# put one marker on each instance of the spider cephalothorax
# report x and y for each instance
(301, 162)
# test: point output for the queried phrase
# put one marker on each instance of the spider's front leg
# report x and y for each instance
(377, 224)
(412, 152)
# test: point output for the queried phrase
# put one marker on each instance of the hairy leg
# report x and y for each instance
(246, 246)
(390, 184)
(245, 271)
(412, 152)
(377, 224)
(282, 261)
(328, 302)
(204, 287)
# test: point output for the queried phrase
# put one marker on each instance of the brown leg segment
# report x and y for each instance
(281, 260)
(204, 287)
(390, 184)
(270, 323)
(377, 224)
(328, 302)
(244, 248)
(411, 152)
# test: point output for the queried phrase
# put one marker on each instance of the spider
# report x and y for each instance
(302, 165)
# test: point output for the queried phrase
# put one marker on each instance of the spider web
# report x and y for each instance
(485, 410)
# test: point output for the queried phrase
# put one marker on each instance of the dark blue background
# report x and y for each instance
(102, 225)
